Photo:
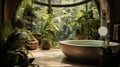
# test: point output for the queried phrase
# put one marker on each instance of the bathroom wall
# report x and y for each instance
(115, 20)
(1, 12)
(112, 11)
(115, 11)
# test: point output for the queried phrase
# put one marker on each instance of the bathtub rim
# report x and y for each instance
(67, 42)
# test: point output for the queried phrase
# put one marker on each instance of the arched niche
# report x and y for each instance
(10, 8)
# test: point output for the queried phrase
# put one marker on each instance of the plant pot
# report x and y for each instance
(45, 46)
(109, 61)
(80, 37)
(38, 37)
(33, 45)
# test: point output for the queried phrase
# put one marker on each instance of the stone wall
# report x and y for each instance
(110, 10)
(115, 20)
(10, 7)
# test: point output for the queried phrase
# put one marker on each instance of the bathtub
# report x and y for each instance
(84, 50)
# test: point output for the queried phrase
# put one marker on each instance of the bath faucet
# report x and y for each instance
(103, 32)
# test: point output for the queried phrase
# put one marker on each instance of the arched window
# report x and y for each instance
(70, 16)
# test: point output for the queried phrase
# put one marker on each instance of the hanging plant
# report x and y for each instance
(28, 11)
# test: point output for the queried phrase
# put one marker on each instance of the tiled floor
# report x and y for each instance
(54, 58)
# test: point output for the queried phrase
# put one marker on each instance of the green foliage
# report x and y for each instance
(14, 50)
(28, 11)
(86, 24)
(70, 19)
(105, 49)
(48, 31)
(12, 43)
(89, 24)
(6, 29)
(66, 19)
(22, 6)
(17, 57)
(17, 39)
(41, 17)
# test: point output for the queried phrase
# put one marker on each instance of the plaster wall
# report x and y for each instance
(114, 11)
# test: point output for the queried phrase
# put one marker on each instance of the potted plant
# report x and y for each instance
(86, 25)
(37, 36)
(16, 54)
(32, 41)
(48, 33)
(83, 26)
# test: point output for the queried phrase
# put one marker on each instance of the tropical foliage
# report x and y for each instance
(49, 31)
(68, 20)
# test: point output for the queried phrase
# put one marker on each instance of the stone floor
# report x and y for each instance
(55, 58)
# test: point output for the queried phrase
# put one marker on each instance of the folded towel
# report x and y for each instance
(115, 32)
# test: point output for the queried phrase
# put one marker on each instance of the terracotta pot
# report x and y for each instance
(34, 45)
(38, 37)
(46, 46)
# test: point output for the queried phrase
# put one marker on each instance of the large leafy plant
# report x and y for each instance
(14, 52)
(48, 31)
(13, 48)
(84, 25)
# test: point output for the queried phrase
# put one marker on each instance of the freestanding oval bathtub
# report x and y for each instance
(84, 49)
